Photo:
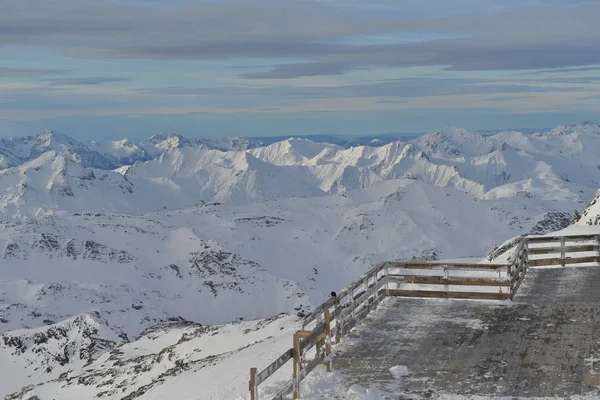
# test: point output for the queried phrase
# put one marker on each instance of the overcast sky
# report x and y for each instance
(99, 69)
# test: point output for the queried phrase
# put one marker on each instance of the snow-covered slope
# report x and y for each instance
(559, 164)
(181, 360)
(120, 152)
(131, 273)
(219, 263)
(591, 214)
(292, 151)
(16, 151)
(196, 174)
(92, 257)
(54, 183)
(41, 354)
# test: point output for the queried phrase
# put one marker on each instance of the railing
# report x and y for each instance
(451, 280)
(337, 316)
(334, 319)
(547, 251)
(330, 321)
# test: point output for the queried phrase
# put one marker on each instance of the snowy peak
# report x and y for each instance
(586, 128)
(292, 151)
(161, 142)
(53, 182)
(16, 151)
(121, 152)
(591, 214)
(67, 146)
(413, 152)
(451, 143)
(199, 174)
(51, 140)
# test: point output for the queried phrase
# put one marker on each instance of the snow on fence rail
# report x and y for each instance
(573, 250)
(334, 319)
(450, 280)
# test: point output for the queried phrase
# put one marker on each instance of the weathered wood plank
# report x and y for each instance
(253, 391)
(449, 295)
(573, 238)
(319, 310)
(568, 249)
(472, 267)
(439, 280)
(274, 366)
(309, 340)
(559, 261)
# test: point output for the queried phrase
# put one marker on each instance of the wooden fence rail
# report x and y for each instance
(334, 319)
(544, 251)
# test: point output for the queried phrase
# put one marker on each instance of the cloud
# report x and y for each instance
(507, 98)
(92, 81)
(8, 72)
(564, 70)
(393, 90)
(317, 35)
(299, 70)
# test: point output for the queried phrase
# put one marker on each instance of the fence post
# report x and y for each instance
(339, 322)
(328, 339)
(296, 381)
(526, 252)
(253, 388)
(352, 304)
(387, 285)
(562, 251)
(446, 277)
(375, 286)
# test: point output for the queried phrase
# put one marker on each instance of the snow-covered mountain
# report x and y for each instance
(138, 281)
(17, 151)
(177, 359)
(591, 214)
(120, 152)
(218, 263)
(40, 354)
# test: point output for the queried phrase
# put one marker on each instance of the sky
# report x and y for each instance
(100, 69)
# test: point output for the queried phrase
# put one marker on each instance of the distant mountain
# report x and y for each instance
(54, 183)
(121, 152)
(113, 154)
(176, 173)
(16, 151)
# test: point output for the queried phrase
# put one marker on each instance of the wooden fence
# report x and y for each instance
(334, 319)
(573, 250)
(450, 280)
(329, 322)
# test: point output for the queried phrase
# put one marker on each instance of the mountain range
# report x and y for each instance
(139, 270)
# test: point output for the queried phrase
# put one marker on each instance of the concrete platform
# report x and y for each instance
(542, 344)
